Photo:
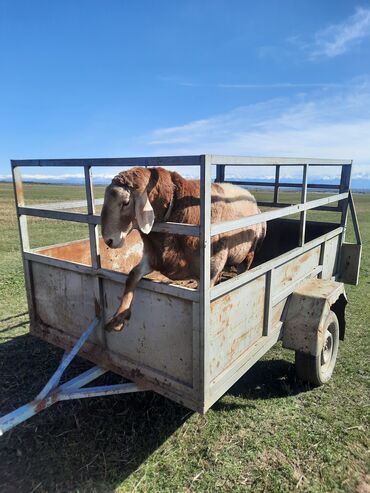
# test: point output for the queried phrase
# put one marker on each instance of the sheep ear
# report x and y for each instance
(144, 213)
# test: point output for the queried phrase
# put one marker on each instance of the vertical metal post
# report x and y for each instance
(302, 227)
(345, 182)
(93, 228)
(19, 202)
(276, 188)
(94, 239)
(220, 173)
(205, 269)
(268, 300)
(23, 235)
(322, 257)
(356, 228)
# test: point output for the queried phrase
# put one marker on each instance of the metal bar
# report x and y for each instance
(24, 239)
(273, 161)
(68, 391)
(101, 390)
(150, 285)
(267, 304)
(19, 204)
(169, 227)
(177, 228)
(268, 216)
(235, 282)
(345, 181)
(93, 228)
(281, 185)
(205, 268)
(69, 204)
(276, 185)
(126, 161)
(55, 379)
(302, 226)
(354, 219)
(220, 173)
(181, 161)
(77, 217)
(322, 257)
(19, 415)
(282, 204)
(94, 241)
(83, 379)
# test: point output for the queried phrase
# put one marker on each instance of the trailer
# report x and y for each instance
(191, 344)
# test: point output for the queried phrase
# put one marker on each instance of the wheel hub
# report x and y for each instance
(327, 349)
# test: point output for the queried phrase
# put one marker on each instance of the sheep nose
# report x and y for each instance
(109, 242)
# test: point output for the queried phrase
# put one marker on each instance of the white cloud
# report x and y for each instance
(332, 124)
(339, 38)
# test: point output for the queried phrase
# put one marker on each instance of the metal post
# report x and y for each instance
(276, 186)
(94, 244)
(24, 237)
(302, 227)
(268, 304)
(220, 173)
(19, 202)
(93, 228)
(205, 266)
(345, 182)
(354, 219)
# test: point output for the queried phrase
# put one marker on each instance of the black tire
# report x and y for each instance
(318, 370)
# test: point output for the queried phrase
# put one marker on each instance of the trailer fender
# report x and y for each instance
(307, 310)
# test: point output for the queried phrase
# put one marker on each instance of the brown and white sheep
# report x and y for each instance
(139, 197)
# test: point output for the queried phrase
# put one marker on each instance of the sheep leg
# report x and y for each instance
(218, 262)
(249, 259)
(123, 314)
(242, 267)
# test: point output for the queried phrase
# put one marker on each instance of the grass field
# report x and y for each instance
(269, 433)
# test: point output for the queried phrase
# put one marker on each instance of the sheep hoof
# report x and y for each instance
(117, 323)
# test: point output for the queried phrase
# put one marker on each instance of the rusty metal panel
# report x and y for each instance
(278, 313)
(158, 337)
(236, 322)
(330, 257)
(159, 333)
(65, 300)
(309, 305)
(350, 260)
(295, 269)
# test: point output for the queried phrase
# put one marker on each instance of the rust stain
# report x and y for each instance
(79, 251)
(19, 191)
(41, 405)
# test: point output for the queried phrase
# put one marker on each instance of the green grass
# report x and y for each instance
(268, 433)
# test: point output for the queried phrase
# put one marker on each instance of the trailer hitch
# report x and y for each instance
(72, 389)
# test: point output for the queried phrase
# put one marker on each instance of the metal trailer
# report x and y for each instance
(191, 345)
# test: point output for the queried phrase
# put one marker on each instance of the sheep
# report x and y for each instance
(139, 197)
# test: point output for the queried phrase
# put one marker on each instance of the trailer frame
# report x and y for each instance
(204, 295)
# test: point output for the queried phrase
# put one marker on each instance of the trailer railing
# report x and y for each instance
(204, 295)
(339, 193)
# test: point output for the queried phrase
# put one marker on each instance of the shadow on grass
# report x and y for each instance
(267, 379)
(94, 444)
(85, 445)
(13, 316)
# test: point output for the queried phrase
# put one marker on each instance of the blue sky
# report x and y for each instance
(89, 78)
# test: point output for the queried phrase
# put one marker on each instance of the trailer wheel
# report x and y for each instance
(318, 370)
